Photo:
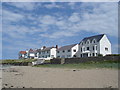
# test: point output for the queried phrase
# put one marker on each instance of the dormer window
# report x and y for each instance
(82, 43)
(88, 42)
(94, 41)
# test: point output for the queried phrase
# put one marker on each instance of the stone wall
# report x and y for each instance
(83, 60)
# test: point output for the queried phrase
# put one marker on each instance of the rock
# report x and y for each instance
(74, 70)
(6, 84)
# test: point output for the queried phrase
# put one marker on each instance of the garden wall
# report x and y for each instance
(83, 60)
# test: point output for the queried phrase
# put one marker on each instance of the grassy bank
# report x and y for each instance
(88, 65)
(17, 61)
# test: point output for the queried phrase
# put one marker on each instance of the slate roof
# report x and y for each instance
(45, 49)
(32, 51)
(96, 37)
(66, 47)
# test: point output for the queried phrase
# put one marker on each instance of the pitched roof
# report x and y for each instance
(47, 48)
(22, 52)
(66, 47)
(96, 37)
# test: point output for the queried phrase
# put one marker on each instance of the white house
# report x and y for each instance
(47, 52)
(88, 47)
(22, 55)
(68, 51)
(32, 54)
(94, 45)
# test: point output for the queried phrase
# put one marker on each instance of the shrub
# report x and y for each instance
(100, 55)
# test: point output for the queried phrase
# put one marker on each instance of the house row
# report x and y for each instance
(88, 47)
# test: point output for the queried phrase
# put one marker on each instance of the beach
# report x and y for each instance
(38, 77)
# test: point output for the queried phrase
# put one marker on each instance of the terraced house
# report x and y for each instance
(89, 47)
(68, 51)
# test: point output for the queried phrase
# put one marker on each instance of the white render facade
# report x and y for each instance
(95, 45)
(47, 53)
(68, 51)
(88, 47)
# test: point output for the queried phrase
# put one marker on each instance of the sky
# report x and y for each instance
(28, 25)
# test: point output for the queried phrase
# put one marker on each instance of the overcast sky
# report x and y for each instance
(34, 24)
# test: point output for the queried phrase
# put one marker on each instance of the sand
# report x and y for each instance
(36, 77)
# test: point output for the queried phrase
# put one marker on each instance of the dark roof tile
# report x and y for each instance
(66, 47)
(96, 37)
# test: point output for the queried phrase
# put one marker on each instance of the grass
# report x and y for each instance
(88, 65)
(17, 61)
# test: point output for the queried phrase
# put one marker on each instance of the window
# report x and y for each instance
(68, 50)
(63, 51)
(35, 54)
(93, 54)
(58, 56)
(74, 56)
(52, 55)
(57, 51)
(81, 49)
(96, 54)
(90, 54)
(74, 50)
(47, 51)
(93, 48)
(96, 47)
(46, 56)
(39, 52)
(82, 43)
(106, 49)
(88, 42)
(84, 49)
(81, 55)
(87, 48)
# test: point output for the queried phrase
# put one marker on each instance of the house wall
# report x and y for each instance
(90, 52)
(44, 54)
(76, 47)
(65, 54)
(53, 53)
(105, 43)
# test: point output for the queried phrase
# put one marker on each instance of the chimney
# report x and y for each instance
(44, 47)
(56, 46)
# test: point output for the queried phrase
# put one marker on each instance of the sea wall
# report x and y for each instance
(83, 60)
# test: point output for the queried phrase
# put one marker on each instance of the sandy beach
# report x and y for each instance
(36, 77)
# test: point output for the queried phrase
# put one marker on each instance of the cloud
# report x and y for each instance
(23, 5)
(74, 17)
(101, 18)
(47, 20)
(52, 5)
(9, 16)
